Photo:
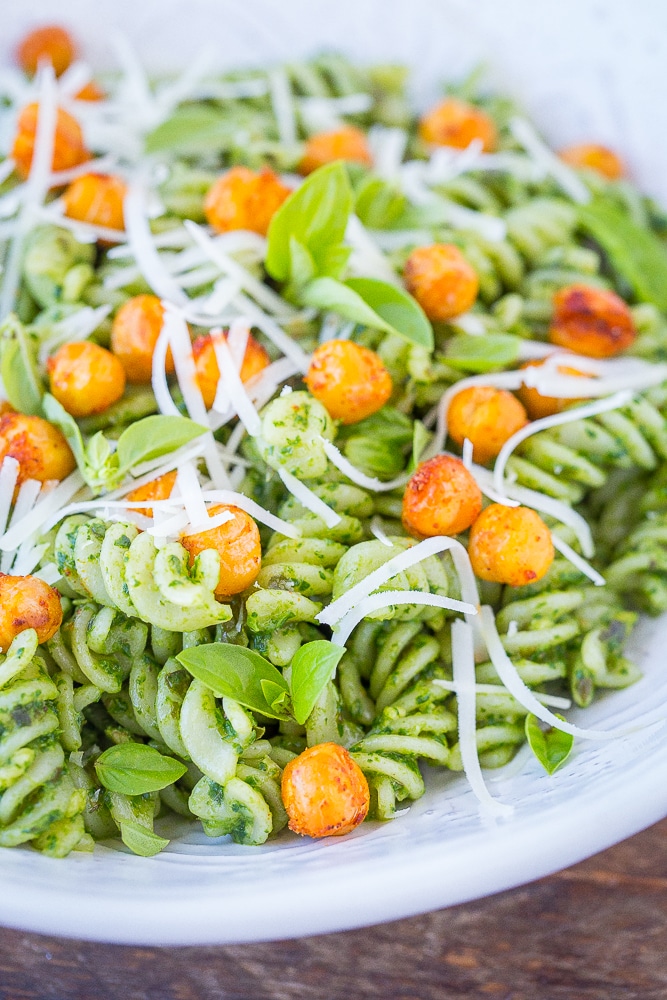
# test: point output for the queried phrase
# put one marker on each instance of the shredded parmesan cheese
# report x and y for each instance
(388, 599)
(310, 500)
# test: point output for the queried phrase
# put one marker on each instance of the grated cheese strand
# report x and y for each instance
(308, 499)
(389, 598)
(337, 458)
(577, 560)
(231, 380)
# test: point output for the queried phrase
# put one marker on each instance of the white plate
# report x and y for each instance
(565, 61)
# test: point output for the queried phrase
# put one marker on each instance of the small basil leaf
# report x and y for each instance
(379, 444)
(276, 696)
(192, 128)
(302, 265)
(140, 840)
(313, 666)
(552, 747)
(236, 672)
(316, 215)
(135, 768)
(59, 416)
(329, 294)
(154, 436)
(399, 310)
(379, 205)
(488, 352)
(20, 374)
(635, 252)
(420, 438)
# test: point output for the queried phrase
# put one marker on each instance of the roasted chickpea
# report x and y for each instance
(158, 489)
(348, 143)
(244, 199)
(69, 149)
(85, 378)
(442, 281)
(441, 498)
(325, 792)
(591, 321)
(488, 417)
(255, 360)
(457, 123)
(349, 380)
(594, 157)
(539, 406)
(27, 602)
(510, 545)
(238, 544)
(134, 334)
(91, 91)
(96, 198)
(40, 449)
(50, 44)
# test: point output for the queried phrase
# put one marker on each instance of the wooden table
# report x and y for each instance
(597, 931)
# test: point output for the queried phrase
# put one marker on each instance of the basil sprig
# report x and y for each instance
(104, 468)
(307, 253)
(249, 678)
(141, 840)
(135, 769)
(552, 747)
(480, 354)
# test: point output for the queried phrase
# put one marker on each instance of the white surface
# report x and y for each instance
(586, 70)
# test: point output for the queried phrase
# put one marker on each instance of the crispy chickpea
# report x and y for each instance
(349, 380)
(40, 448)
(594, 157)
(27, 602)
(96, 198)
(325, 792)
(69, 149)
(591, 321)
(457, 123)
(255, 360)
(238, 544)
(348, 143)
(510, 545)
(158, 489)
(488, 417)
(51, 44)
(91, 91)
(134, 334)
(85, 378)
(441, 498)
(537, 405)
(244, 199)
(442, 281)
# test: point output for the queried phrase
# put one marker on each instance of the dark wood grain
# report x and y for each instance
(597, 931)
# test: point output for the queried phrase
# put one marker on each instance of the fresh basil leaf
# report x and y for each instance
(20, 375)
(399, 310)
(488, 352)
(154, 436)
(236, 672)
(192, 128)
(636, 253)
(379, 445)
(140, 840)
(420, 438)
(552, 747)
(302, 265)
(379, 205)
(329, 294)
(316, 215)
(276, 696)
(59, 416)
(313, 666)
(136, 768)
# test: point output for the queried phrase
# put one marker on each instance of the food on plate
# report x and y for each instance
(334, 447)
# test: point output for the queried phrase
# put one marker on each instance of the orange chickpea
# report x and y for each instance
(441, 498)
(48, 44)
(98, 199)
(238, 544)
(594, 157)
(27, 602)
(158, 489)
(91, 91)
(350, 381)
(325, 792)
(40, 449)
(255, 360)
(68, 149)
(348, 143)
(457, 123)
(488, 417)
(510, 545)
(134, 334)
(539, 406)
(244, 199)
(85, 378)
(442, 281)
(591, 321)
